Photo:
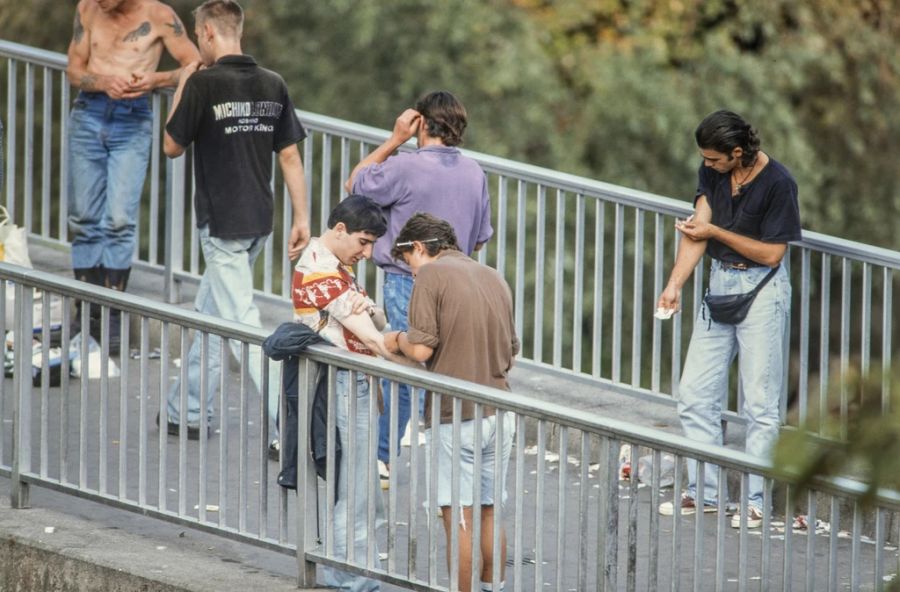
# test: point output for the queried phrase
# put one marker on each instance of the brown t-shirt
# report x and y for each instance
(463, 310)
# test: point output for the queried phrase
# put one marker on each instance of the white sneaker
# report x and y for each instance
(754, 518)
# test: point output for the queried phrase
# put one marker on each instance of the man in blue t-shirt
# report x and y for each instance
(436, 179)
(236, 114)
(745, 213)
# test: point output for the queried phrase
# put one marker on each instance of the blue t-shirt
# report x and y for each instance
(765, 209)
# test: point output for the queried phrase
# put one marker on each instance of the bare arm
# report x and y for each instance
(292, 169)
(768, 254)
(79, 54)
(172, 148)
(175, 40)
(362, 326)
(398, 342)
(690, 251)
(405, 128)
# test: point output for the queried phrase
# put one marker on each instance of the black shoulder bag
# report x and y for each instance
(731, 309)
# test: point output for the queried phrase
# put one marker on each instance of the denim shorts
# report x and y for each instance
(467, 459)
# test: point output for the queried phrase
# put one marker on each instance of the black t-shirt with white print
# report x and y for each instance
(766, 209)
(236, 114)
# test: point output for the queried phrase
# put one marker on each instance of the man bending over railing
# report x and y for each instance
(461, 324)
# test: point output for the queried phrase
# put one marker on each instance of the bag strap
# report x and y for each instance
(765, 280)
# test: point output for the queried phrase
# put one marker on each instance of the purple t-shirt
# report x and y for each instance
(438, 180)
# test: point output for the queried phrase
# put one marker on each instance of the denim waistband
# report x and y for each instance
(97, 96)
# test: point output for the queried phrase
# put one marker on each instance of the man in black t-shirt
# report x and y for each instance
(745, 213)
(236, 114)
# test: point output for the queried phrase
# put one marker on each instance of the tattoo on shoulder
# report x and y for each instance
(177, 27)
(77, 29)
(142, 31)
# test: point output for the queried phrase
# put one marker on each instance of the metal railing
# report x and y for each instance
(586, 259)
(571, 522)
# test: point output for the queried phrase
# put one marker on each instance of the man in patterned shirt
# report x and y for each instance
(327, 299)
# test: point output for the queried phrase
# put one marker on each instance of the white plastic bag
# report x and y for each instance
(76, 368)
(13, 241)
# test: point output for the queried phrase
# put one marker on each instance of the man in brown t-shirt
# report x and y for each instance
(460, 324)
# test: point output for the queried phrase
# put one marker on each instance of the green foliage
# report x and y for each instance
(611, 89)
(858, 436)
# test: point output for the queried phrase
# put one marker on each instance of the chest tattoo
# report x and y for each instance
(142, 31)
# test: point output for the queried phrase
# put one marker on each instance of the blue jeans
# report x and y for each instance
(358, 466)
(397, 292)
(226, 291)
(759, 339)
(109, 148)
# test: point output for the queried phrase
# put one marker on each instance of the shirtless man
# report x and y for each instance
(115, 50)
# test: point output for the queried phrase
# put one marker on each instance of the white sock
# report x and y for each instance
(489, 587)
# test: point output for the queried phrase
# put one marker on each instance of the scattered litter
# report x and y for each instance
(209, 507)
(160, 548)
(800, 525)
(49, 529)
(625, 462)
(890, 548)
(551, 457)
(666, 469)
(154, 354)
(531, 473)
(530, 450)
(383, 556)
(177, 362)
(173, 490)
(594, 467)
(844, 534)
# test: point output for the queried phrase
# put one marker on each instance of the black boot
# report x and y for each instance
(94, 276)
(116, 279)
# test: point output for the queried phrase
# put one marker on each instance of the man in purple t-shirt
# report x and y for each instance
(436, 179)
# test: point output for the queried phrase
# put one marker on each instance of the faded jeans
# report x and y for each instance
(226, 291)
(108, 152)
(759, 341)
(397, 293)
(360, 464)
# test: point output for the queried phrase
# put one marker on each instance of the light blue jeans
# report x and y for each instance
(226, 291)
(356, 466)
(397, 293)
(759, 342)
(108, 152)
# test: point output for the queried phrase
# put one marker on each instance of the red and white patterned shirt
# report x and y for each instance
(320, 292)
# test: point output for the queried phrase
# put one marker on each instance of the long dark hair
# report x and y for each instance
(723, 131)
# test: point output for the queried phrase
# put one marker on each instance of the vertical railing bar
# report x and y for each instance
(656, 346)
(204, 422)
(609, 500)
(578, 289)
(46, 152)
(805, 285)
(519, 520)
(45, 383)
(788, 563)
(865, 324)
(721, 495)
(886, 328)
(743, 551)
(224, 437)
(500, 438)
(477, 445)
(153, 239)
(393, 452)
(539, 263)
(263, 448)
(825, 288)
(677, 486)
(521, 233)
(11, 135)
(561, 501)
(618, 272)
(372, 477)
(638, 298)
(28, 169)
(632, 554)
(540, 469)
(243, 499)
(306, 478)
(558, 278)
(83, 398)
(287, 216)
(309, 168)
(351, 451)
(846, 272)
(455, 509)
(502, 212)
(833, 545)
(330, 477)
(142, 409)
(22, 424)
(855, 544)
(765, 550)
(414, 415)
(325, 193)
(344, 172)
(161, 436)
(64, 398)
(103, 428)
(432, 469)
(879, 548)
(585, 489)
(811, 511)
(599, 282)
(124, 414)
(63, 222)
(697, 564)
(183, 423)
(653, 543)
(677, 322)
